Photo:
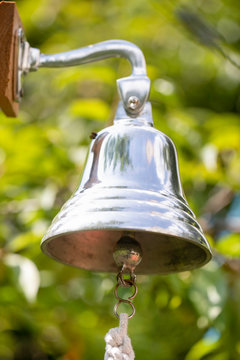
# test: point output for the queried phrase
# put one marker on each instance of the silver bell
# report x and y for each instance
(130, 188)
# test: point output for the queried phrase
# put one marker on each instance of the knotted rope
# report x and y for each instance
(118, 344)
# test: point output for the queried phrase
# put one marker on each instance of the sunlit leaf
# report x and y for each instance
(94, 109)
(29, 278)
(229, 245)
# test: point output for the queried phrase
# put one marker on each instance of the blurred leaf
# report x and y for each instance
(195, 24)
(201, 349)
(22, 241)
(229, 245)
(29, 278)
(91, 109)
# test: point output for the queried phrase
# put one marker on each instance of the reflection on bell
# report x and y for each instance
(130, 187)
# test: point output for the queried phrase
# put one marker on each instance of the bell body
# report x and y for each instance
(130, 187)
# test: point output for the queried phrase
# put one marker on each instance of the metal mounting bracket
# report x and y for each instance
(26, 61)
(133, 90)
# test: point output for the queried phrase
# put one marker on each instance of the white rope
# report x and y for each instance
(118, 344)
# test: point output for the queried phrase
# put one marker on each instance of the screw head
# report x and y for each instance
(133, 102)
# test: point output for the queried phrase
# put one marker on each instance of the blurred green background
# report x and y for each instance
(51, 311)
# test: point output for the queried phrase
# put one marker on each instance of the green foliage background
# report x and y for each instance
(51, 311)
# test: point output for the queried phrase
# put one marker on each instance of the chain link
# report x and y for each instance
(126, 283)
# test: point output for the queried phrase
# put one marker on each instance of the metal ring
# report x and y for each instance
(126, 282)
(126, 302)
(130, 297)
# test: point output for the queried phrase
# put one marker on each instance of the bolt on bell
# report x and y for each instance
(130, 187)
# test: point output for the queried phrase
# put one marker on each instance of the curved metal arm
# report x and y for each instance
(134, 89)
(99, 51)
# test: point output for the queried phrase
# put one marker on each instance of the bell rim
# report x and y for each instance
(203, 246)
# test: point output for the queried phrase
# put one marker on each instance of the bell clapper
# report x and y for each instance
(127, 255)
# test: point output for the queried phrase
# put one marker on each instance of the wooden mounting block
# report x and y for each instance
(9, 24)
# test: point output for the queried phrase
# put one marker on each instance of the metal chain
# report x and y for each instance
(126, 283)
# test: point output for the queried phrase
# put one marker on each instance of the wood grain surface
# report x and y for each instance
(9, 24)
